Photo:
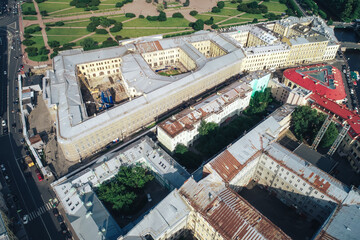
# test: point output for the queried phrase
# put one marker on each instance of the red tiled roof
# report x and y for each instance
(310, 83)
(234, 218)
(340, 110)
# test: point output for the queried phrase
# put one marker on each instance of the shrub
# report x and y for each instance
(162, 17)
(37, 29)
(43, 51)
(54, 44)
(101, 31)
(186, 3)
(59, 24)
(28, 42)
(87, 9)
(220, 4)
(91, 27)
(130, 15)
(177, 15)
(152, 18)
(54, 54)
(141, 16)
(117, 27)
(109, 43)
(198, 25)
(193, 13)
(44, 13)
(209, 21)
(148, 1)
(27, 35)
(214, 26)
(47, 28)
(68, 46)
(44, 58)
(119, 4)
(215, 10)
(94, 8)
(32, 51)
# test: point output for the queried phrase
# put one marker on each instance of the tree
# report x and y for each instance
(205, 128)
(44, 58)
(259, 102)
(59, 24)
(88, 43)
(255, 20)
(162, 17)
(117, 27)
(44, 13)
(119, 4)
(109, 43)
(105, 22)
(214, 26)
(177, 15)
(91, 27)
(198, 25)
(186, 3)
(32, 51)
(101, 31)
(180, 148)
(193, 13)
(215, 10)
(322, 14)
(220, 4)
(133, 177)
(43, 51)
(329, 136)
(28, 42)
(130, 15)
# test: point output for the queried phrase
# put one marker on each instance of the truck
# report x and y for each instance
(29, 161)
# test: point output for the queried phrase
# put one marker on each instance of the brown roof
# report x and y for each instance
(35, 139)
(26, 90)
(234, 218)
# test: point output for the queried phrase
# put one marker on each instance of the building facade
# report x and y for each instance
(182, 128)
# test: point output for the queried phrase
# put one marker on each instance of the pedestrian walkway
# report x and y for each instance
(41, 210)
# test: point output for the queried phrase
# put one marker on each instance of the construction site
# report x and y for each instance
(103, 89)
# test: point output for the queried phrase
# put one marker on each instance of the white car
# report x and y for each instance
(2, 167)
(5, 72)
(3, 123)
(25, 219)
(149, 197)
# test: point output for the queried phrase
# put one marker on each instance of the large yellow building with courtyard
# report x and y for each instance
(99, 96)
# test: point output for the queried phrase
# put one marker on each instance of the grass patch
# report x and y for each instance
(118, 18)
(69, 11)
(25, 6)
(131, 33)
(102, 7)
(275, 6)
(227, 12)
(39, 42)
(231, 5)
(170, 22)
(235, 21)
(252, 16)
(76, 24)
(67, 31)
(206, 17)
(52, 7)
(29, 17)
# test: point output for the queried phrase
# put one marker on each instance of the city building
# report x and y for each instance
(36, 142)
(97, 96)
(286, 95)
(182, 128)
(87, 215)
(325, 80)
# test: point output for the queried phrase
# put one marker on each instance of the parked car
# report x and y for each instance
(56, 212)
(63, 227)
(3, 123)
(2, 167)
(60, 219)
(149, 197)
(39, 176)
(25, 219)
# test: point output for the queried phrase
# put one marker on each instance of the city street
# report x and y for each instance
(23, 193)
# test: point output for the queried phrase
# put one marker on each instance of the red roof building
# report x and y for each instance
(325, 80)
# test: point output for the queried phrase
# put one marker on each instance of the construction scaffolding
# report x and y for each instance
(338, 140)
(321, 132)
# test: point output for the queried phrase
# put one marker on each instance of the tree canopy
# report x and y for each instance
(306, 123)
(206, 127)
(120, 192)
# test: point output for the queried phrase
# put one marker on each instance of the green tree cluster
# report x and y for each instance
(306, 123)
(29, 11)
(85, 3)
(123, 189)
(198, 25)
(130, 15)
(186, 3)
(252, 7)
(210, 21)
(186, 158)
(177, 15)
(346, 10)
(259, 102)
(193, 13)
(206, 127)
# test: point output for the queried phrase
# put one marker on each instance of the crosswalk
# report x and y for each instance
(41, 210)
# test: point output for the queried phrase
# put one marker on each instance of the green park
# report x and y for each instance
(95, 24)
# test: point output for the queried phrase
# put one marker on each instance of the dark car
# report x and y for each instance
(20, 130)
(60, 219)
(63, 227)
(56, 212)
(68, 235)
(13, 125)
(5, 130)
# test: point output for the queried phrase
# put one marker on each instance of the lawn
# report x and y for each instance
(275, 6)
(32, 26)
(77, 24)
(251, 16)
(67, 31)
(102, 7)
(234, 21)
(70, 11)
(39, 42)
(231, 5)
(29, 17)
(52, 7)
(25, 6)
(227, 12)
(206, 17)
(170, 22)
(131, 33)
(63, 39)
(118, 18)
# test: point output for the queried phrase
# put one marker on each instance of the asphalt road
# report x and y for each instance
(31, 196)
